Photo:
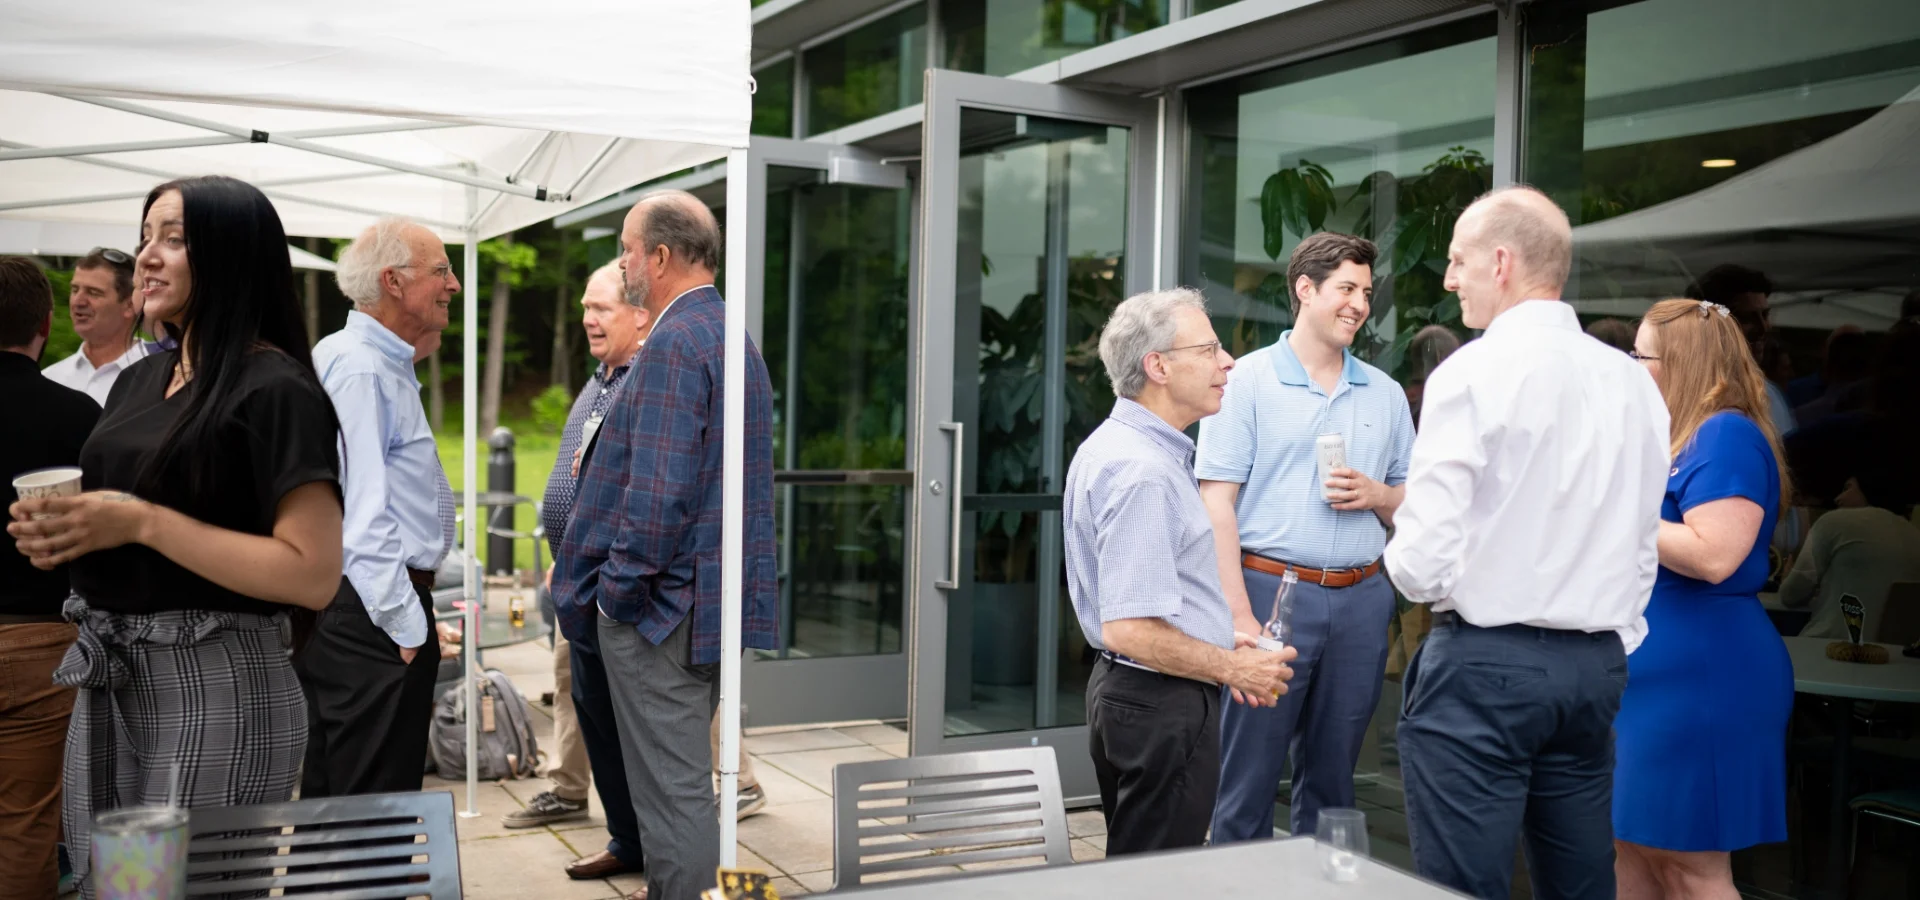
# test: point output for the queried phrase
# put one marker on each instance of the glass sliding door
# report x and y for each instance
(1033, 229)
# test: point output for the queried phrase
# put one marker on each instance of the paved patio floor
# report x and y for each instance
(792, 839)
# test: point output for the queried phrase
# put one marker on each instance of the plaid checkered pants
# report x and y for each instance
(212, 691)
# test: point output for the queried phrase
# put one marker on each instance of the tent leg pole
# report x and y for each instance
(469, 484)
(733, 494)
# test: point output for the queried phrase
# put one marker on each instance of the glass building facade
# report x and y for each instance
(1680, 136)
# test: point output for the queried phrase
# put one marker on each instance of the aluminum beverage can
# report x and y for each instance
(1330, 452)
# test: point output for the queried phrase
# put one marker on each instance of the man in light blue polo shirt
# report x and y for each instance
(1260, 482)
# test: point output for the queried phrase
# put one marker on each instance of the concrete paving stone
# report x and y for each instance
(817, 882)
(1086, 852)
(493, 801)
(815, 767)
(896, 750)
(528, 661)
(1097, 840)
(782, 788)
(791, 741)
(875, 734)
(787, 887)
(584, 841)
(529, 864)
(795, 837)
(1086, 822)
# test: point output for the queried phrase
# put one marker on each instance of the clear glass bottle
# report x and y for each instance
(1278, 629)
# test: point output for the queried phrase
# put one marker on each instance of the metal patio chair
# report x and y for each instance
(933, 812)
(365, 847)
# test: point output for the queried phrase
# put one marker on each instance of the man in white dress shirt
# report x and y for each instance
(368, 672)
(103, 311)
(1530, 520)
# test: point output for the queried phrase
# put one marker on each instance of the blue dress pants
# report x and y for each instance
(1341, 637)
(1506, 732)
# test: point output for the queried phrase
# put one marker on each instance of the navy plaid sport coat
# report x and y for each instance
(643, 545)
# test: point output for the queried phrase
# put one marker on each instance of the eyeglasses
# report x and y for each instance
(1212, 347)
(439, 271)
(1641, 357)
(111, 255)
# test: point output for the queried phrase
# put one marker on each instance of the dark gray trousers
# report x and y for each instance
(1509, 731)
(664, 707)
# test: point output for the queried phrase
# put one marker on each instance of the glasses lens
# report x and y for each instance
(113, 256)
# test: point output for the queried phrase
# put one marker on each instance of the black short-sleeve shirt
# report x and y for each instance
(276, 432)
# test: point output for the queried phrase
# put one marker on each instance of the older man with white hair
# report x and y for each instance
(368, 672)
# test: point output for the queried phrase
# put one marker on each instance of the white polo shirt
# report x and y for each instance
(79, 373)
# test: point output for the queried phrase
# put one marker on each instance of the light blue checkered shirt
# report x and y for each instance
(1263, 438)
(1139, 543)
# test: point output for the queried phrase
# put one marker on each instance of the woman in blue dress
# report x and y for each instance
(1700, 767)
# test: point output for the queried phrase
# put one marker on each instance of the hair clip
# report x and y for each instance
(1708, 306)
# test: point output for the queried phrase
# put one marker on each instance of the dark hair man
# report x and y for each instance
(46, 424)
(104, 313)
(1745, 293)
(1260, 479)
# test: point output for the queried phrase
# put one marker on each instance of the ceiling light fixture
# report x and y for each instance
(1717, 164)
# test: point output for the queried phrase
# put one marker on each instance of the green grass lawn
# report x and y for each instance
(533, 460)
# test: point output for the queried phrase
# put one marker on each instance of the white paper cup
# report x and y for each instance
(63, 481)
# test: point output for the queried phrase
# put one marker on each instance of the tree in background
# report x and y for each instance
(511, 262)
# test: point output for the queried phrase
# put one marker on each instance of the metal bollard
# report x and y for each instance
(500, 518)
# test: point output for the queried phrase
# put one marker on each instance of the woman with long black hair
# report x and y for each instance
(211, 510)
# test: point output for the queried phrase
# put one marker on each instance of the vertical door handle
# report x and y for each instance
(952, 581)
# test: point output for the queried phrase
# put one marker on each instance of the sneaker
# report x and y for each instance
(547, 808)
(752, 800)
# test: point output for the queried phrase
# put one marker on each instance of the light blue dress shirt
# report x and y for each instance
(1138, 540)
(390, 469)
(1263, 439)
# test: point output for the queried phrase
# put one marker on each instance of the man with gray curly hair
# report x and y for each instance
(1145, 584)
(368, 672)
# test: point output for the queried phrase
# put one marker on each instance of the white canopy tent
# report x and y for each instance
(473, 118)
(26, 237)
(1837, 221)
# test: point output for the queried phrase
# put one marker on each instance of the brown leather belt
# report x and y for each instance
(421, 578)
(1333, 578)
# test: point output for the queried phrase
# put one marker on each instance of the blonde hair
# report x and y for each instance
(1706, 368)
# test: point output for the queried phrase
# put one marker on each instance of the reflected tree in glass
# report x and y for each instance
(1411, 219)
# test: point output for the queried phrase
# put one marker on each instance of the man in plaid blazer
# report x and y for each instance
(641, 557)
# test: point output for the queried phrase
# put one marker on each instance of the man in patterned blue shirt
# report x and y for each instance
(1141, 572)
(641, 560)
(1259, 476)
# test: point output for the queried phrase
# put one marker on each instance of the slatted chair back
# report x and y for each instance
(366, 847)
(935, 812)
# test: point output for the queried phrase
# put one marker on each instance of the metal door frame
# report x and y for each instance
(841, 688)
(936, 444)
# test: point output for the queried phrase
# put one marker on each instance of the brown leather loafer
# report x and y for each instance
(598, 865)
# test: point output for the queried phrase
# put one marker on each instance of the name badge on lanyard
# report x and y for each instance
(587, 430)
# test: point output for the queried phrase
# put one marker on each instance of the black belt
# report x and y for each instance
(1452, 618)
(421, 578)
(1127, 660)
(30, 618)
